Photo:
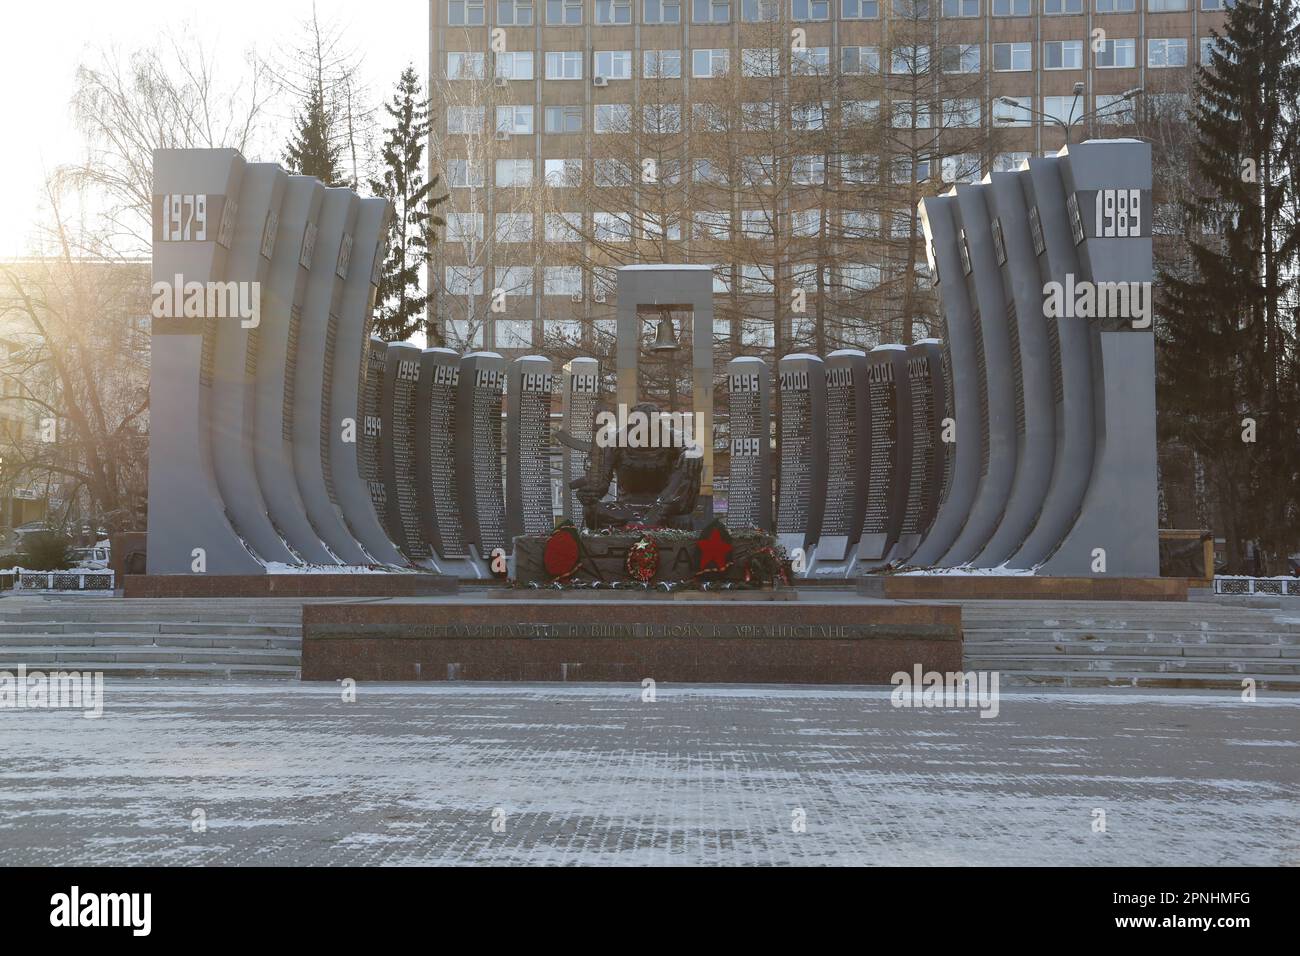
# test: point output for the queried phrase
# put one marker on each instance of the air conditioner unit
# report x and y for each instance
(599, 81)
(502, 81)
(502, 135)
(576, 297)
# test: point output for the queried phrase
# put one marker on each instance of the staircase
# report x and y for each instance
(163, 637)
(1133, 643)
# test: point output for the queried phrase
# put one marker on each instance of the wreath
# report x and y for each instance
(643, 560)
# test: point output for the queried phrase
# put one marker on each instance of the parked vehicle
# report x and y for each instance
(96, 558)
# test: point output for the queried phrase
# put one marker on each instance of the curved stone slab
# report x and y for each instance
(355, 319)
(195, 209)
(277, 362)
(529, 388)
(961, 478)
(890, 461)
(848, 460)
(929, 406)
(1056, 258)
(579, 403)
(436, 427)
(313, 414)
(993, 369)
(478, 453)
(749, 481)
(234, 374)
(1118, 518)
(397, 454)
(801, 497)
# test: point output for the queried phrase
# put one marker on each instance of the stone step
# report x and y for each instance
(86, 657)
(192, 671)
(109, 639)
(1274, 682)
(149, 627)
(981, 635)
(1235, 623)
(1131, 649)
(1061, 662)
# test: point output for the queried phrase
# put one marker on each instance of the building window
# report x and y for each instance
(860, 9)
(909, 114)
(710, 11)
(1063, 55)
(813, 9)
(512, 333)
(859, 169)
(661, 118)
(859, 112)
(459, 332)
(465, 227)
(563, 12)
(563, 226)
(463, 173)
(909, 60)
(514, 172)
(708, 118)
(1217, 4)
(465, 13)
(661, 11)
(1117, 54)
(760, 62)
(1061, 108)
(1059, 7)
(961, 113)
(614, 64)
(653, 227)
(859, 60)
(912, 9)
(963, 58)
(859, 276)
(1011, 8)
(759, 117)
(564, 173)
(515, 66)
(1007, 114)
(808, 116)
(612, 118)
(466, 66)
(760, 11)
(1166, 6)
(808, 170)
(811, 61)
(1009, 162)
(662, 64)
(515, 119)
(961, 8)
(562, 280)
(1114, 108)
(1013, 57)
(960, 168)
(514, 227)
(1116, 6)
(515, 13)
(754, 281)
(714, 225)
(463, 280)
(758, 170)
(613, 12)
(756, 224)
(465, 119)
(706, 64)
(564, 66)
(806, 223)
(1163, 53)
(613, 172)
(612, 226)
(564, 119)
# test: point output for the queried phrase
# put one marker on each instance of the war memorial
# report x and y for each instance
(1014, 457)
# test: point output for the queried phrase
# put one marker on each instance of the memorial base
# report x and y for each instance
(395, 584)
(566, 638)
(1024, 587)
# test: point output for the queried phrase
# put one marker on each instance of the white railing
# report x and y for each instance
(1245, 584)
(73, 579)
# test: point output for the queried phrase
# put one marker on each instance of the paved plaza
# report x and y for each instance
(286, 773)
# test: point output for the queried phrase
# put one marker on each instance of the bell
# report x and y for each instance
(665, 340)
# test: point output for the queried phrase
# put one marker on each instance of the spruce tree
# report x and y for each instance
(1227, 339)
(309, 152)
(401, 301)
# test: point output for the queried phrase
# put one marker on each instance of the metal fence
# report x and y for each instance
(1243, 584)
(73, 580)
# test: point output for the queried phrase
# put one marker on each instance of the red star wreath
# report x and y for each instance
(643, 560)
(714, 548)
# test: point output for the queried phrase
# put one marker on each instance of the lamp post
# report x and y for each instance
(1069, 122)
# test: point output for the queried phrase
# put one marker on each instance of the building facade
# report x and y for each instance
(552, 117)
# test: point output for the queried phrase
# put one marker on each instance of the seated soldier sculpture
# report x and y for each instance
(658, 470)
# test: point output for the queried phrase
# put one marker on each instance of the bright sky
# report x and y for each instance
(42, 42)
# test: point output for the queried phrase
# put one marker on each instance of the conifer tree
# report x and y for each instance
(309, 152)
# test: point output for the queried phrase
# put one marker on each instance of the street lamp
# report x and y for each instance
(1069, 122)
